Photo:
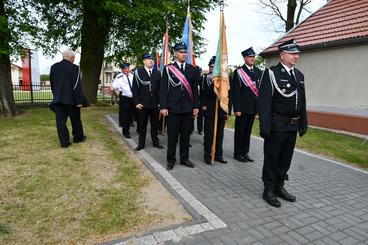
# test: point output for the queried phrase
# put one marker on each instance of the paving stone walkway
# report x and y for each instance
(227, 206)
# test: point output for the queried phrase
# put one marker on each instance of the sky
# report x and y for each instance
(245, 27)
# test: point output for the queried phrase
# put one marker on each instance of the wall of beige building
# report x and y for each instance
(108, 71)
(334, 77)
(16, 74)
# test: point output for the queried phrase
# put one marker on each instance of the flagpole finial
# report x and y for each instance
(222, 4)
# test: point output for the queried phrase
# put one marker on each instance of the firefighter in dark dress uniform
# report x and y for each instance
(179, 101)
(282, 113)
(146, 87)
(209, 107)
(245, 92)
(67, 98)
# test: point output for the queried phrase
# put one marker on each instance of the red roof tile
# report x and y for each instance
(336, 21)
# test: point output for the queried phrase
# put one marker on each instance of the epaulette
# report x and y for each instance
(119, 75)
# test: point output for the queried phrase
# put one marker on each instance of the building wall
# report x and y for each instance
(16, 73)
(334, 77)
(108, 72)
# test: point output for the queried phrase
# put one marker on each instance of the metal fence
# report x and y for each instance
(42, 94)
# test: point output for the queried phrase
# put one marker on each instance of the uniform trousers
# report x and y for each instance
(143, 115)
(178, 124)
(278, 150)
(200, 121)
(126, 106)
(243, 130)
(209, 124)
(62, 113)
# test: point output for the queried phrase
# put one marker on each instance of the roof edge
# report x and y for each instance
(337, 43)
(286, 33)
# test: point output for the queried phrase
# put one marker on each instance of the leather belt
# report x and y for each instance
(291, 120)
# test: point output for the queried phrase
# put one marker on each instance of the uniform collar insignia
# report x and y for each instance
(283, 70)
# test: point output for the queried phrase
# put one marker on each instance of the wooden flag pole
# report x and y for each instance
(213, 151)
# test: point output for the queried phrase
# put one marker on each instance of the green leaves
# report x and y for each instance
(136, 26)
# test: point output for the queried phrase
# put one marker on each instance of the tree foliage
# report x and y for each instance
(116, 29)
(45, 77)
(16, 27)
(123, 30)
(134, 27)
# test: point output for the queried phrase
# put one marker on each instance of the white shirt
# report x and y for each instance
(121, 83)
(288, 69)
(179, 64)
(148, 70)
(249, 68)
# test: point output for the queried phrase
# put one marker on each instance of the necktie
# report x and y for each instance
(251, 70)
(150, 73)
(130, 86)
(182, 67)
(293, 75)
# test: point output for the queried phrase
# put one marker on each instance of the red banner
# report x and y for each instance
(26, 72)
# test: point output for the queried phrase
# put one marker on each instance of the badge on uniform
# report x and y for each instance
(288, 85)
(283, 70)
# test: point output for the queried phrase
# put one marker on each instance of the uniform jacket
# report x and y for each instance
(272, 104)
(65, 80)
(176, 98)
(209, 100)
(201, 88)
(147, 95)
(244, 100)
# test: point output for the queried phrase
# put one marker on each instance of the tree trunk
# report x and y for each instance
(6, 86)
(291, 7)
(95, 27)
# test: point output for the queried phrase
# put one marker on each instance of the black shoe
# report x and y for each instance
(200, 132)
(187, 163)
(240, 158)
(208, 161)
(282, 193)
(170, 165)
(220, 160)
(75, 140)
(247, 158)
(127, 135)
(158, 145)
(139, 147)
(66, 145)
(270, 198)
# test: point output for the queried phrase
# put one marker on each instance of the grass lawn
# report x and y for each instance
(340, 147)
(50, 195)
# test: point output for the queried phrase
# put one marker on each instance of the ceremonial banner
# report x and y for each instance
(221, 71)
(165, 57)
(187, 38)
